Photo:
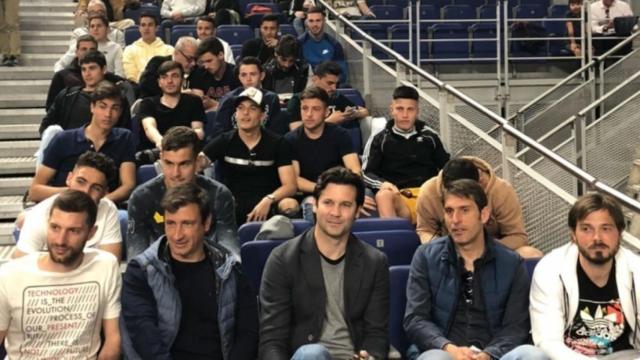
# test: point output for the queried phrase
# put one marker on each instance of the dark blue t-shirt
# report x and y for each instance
(65, 148)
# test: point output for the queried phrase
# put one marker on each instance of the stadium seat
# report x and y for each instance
(400, 35)
(134, 14)
(429, 12)
(145, 173)
(353, 95)
(387, 12)
(254, 255)
(558, 11)
(235, 34)
(178, 31)
(460, 12)
(211, 118)
(529, 11)
(236, 49)
(398, 276)
(398, 245)
(473, 3)
(248, 231)
(380, 224)
(288, 29)
(544, 3)
(487, 12)
(450, 49)
(484, 49)
(530, 264)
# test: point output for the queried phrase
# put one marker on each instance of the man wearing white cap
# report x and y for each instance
(255, 163)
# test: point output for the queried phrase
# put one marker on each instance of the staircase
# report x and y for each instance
(45, 31)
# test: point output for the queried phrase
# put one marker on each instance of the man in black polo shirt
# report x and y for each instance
(263, 47)
(255, 163)
(160, 113)
(220, 76)
(318, 146)
(341, 110)
(100, 135)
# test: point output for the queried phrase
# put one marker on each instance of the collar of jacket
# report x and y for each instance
(451, 255)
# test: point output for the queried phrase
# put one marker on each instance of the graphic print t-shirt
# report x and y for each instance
(51, 315)
(599, 327)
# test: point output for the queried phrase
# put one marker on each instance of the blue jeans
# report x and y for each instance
(311, 352)
(522, 352)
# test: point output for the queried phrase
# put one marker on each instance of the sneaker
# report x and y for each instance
(10, 61)
(15, 61)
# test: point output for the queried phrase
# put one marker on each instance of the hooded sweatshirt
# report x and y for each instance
(137, 55)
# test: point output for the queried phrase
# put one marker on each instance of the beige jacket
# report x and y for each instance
(506, 222)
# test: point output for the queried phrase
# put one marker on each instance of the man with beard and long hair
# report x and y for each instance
(584, 296)
(55, 304)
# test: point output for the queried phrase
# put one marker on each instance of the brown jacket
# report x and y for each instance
(506, 223)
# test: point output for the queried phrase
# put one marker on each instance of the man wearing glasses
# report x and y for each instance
(173, 108)
(184, 53)
(467, 295)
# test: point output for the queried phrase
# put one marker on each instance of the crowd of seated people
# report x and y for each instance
(233, 146)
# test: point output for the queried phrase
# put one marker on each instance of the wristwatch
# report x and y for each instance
(271, 197)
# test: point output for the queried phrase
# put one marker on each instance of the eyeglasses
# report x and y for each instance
(467, 286)
(190, 59)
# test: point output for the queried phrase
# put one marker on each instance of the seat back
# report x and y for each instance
(235, 34)
(398, 276)
(398, 245)
(459, 12)
(450, 49)
(387, 12)
(381, 224)
(179, 31)
(254, 255)
(145, 173)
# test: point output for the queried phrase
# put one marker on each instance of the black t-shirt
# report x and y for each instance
(338, 102)
(599, 326)
(577, 31)
(189, 109)
(199, 333)
(213, 88)
(250, 174)
(318, 155)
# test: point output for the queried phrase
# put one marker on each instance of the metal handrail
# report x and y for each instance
(593, 63)
(602, 99)
(505, 125)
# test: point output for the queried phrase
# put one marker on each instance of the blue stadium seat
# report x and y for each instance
(526, 47)
(235, 34)
(248, 231)
(387, 12)
(429, 12)
(376, 2)
(557, 28)
(145, 173)
(438, 4)
(529, 11)
(558, 11)
(288, 29)
(380, 224)
(123, 219)
(544, 3)
(487, 12)
(531, 264)
(134, 14)
(236, 49)
(178, 31)
(461, 12)
(483, 49)
(398, 276)
(353, 95)
(398, 245)
(254, 255)
(400, 33)
(211, 117)
(472, 3)
(450, 49)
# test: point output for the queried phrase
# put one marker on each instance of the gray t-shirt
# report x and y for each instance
(335, 332)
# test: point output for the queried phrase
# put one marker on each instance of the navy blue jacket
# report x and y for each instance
(151, 308)
(434, 286)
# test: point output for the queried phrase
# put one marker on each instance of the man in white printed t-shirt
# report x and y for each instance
(54, 305)
(92, 175)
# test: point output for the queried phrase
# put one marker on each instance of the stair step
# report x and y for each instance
(49, 15)
(26, 72)
(46, 6)
(6, 237)
(19, 131)
(10, 206)
(14, 185)
(22, 165)
(19, 148)
(48, 47)
(21, 116)
(22, 101)
(32, 87)
(39, 60)
(44, 36)
(54, 25)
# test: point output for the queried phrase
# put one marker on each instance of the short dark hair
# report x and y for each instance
(327, 68)
(249, 60)
(342, 176)
(183, 195)
(149, 15)
(459, 168)
(169, 65)
(75, 201)
(94, 56)
(575, 2)
(210, 45)
(466, 188)
(405, 92)
(314, 92)
(102, 18)
(288, 46)
(100, 162)
(594, 201)
(85, 38)
(270, 17)
(208, 19)
(106, 90)
(180, 137)
(316, 10)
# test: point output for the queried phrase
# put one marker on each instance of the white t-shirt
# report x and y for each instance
(51, 315)
(33, 235)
